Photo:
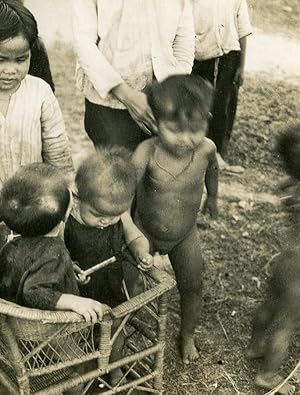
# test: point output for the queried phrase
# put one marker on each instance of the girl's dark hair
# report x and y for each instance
(181, 98)
(16, 19)
(288, 146)
(34, 200)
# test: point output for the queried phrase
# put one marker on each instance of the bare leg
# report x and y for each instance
(261, 322)
(188, 264)
(276, 351)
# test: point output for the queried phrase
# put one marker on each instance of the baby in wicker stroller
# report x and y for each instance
(36, 269)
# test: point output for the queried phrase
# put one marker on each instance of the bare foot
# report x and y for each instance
(188, 349)
(226, 167)
(116, 376)
(256, 349)
(269, 381)
(254, 354)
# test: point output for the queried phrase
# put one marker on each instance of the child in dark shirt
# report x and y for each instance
(276, 320)
(100, 227)
(36, 269)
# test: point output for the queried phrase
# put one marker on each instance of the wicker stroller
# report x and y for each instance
(40, 350)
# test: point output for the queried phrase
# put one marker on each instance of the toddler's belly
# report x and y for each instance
(167, 219)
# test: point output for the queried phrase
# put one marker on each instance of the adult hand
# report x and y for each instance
(239, 77)
(137, 106)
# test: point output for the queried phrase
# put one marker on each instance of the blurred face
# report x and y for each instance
(181, 141)
(14, 62)
(101, 213)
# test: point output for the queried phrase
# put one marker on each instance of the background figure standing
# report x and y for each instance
(121, 48)
(276, 320)
(221, 27)
(31, 124)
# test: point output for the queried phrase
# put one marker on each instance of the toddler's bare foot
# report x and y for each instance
(115, 377)
(188, 349)
(224, 166)
(256, 350)
(269, 381)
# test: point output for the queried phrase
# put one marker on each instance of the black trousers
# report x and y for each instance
(225, 97)
(109, 126)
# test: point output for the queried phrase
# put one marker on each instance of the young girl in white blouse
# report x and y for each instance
(31, 123)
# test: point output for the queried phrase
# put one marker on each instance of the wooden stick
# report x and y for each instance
(222, 326)
(231, 381)
(85, 273)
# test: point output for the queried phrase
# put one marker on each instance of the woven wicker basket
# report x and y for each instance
(40, 350)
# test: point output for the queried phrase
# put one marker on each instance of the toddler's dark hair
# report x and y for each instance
(288, 146)
(16, 19)
(34, 200)
(185, 99)
(107, 173)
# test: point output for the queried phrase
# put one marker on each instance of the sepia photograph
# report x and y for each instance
(149, 197)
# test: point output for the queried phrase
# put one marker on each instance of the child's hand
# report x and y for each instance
(210, 206)
(145, 262)
(90, 309)
(292, 203)
(285, 185)
(289, 189)
(78, 273)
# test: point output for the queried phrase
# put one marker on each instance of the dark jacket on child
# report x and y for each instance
(36, 271)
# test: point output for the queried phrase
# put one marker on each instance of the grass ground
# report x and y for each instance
(236, 246)
(276, 16)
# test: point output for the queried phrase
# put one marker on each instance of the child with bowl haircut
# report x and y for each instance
(172, 168)
(36, 269)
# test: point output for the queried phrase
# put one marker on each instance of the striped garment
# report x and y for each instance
(33, 130)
